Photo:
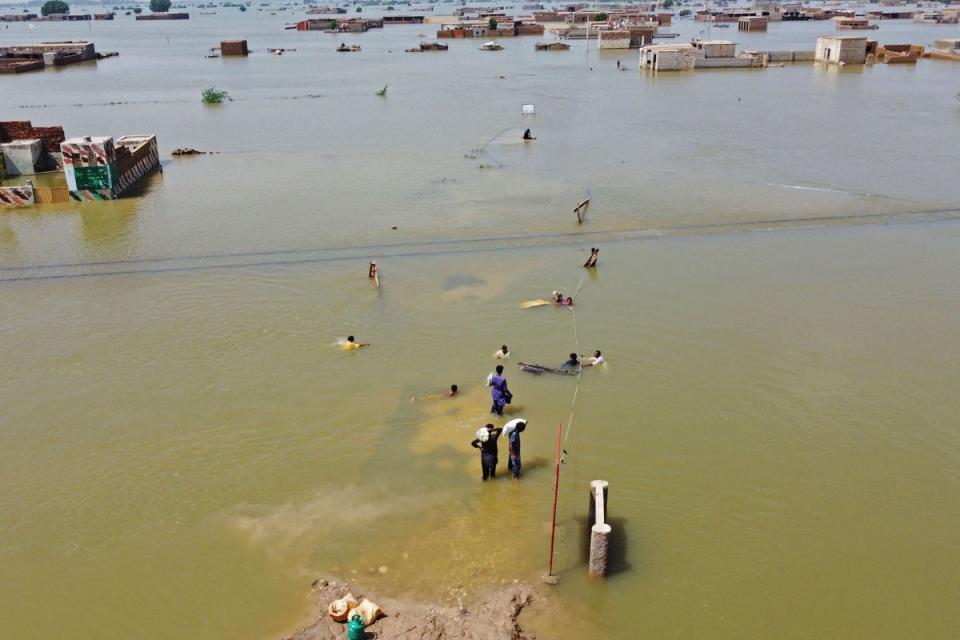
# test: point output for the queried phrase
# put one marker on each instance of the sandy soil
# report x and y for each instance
(494, 617)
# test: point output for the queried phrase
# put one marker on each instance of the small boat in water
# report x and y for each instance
(491, 46)
(343, 48)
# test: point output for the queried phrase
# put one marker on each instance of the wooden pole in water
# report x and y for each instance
(550, 578)
(581, 207)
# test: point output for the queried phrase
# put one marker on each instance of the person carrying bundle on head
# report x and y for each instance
(486, 442)
(511, 432)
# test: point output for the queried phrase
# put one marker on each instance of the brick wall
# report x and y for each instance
(233, 47)
(24, 130)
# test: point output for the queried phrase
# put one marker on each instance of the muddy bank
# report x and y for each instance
(497, 616)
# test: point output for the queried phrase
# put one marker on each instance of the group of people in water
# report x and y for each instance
(559, 299)
(487, 436)
(486, 442)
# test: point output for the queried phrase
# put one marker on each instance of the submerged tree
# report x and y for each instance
(493, 24)
(383, 92)
(212, 95)
(159, 6)
(52, 7)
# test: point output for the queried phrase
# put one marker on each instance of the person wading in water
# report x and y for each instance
(500, 393)
(486, 441)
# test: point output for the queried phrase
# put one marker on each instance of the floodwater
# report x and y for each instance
(183, 448)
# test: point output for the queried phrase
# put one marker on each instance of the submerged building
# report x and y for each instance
(34, 57)
(97, 168)
(841, 49)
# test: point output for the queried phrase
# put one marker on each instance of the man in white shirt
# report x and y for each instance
(596, 360)
(504, 352)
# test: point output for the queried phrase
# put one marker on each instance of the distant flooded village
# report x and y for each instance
(593, 320)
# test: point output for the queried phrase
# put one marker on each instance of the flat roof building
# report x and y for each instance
(841, 49)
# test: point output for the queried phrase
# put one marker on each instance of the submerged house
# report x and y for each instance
(33, 57)
(841, 49)
(97, 168)
(667, 57)
(946, 49)
(844, 23)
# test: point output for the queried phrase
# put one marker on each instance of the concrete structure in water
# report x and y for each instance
(946, 49)
(752, 23)
(890, 14)
(841, 49)
(613, 40)
(22, 157)
(899, 53)
(96, 168)
(936, 16)
(667, 57)
(165, 16)
(504, 27)
(600, 530)
(233, 48)
(712, 54)
(33, 57)
(24, 130)
(25, 149)
(844, 23)
(402, 19)
(342, 25)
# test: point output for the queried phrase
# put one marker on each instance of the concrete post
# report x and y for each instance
(599, 529)
(599, 550)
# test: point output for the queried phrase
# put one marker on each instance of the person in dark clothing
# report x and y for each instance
(573, 364)
(513, 429)
(487, 443)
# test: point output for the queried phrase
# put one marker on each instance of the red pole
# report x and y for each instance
(556, 489)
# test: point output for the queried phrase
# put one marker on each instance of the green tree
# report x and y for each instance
(212, 95)
(600, 17)
(359, 9)
(159, 6)
(666, 4)
(493, 24)
(54, 6)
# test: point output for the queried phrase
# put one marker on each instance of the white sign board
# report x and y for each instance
(527, 110)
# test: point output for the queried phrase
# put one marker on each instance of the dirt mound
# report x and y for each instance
(493, 618)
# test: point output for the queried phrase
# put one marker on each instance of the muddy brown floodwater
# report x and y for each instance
(184, 448)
